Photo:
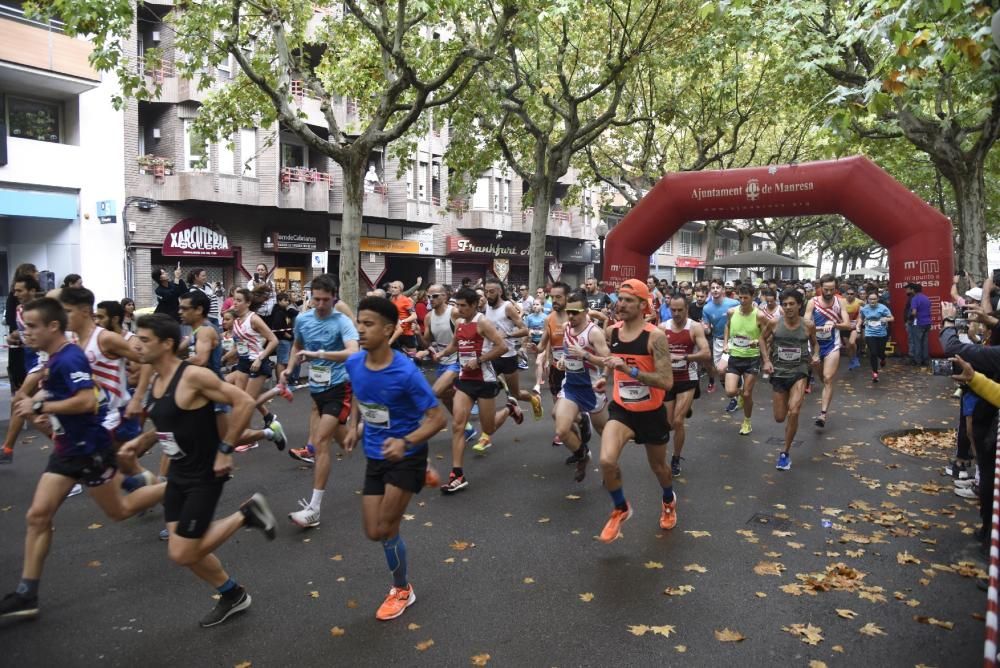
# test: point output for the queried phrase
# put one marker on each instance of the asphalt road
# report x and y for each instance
(510, 568)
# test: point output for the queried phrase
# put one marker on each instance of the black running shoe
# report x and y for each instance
(228, 605)
(581, 463)
(821, 420)
(675, 465)
(258, 515)
(15, 606)
(586, 430)
(269, 418)
(577, 456)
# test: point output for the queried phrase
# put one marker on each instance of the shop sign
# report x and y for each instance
(690, 262)
(576, 251)
(195, 237)
(373, 267)
(555, 270)
(400, 246)
(459, 245)
(501, 267)
(290, 242)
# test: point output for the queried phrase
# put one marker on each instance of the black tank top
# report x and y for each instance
(189, 438)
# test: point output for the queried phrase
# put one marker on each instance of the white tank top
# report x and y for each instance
(111, 375)
(504, 325)
(442, 330)
(248, 342)
(576, 366)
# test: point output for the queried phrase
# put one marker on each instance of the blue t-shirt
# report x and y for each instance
(392, 401)
(66, 373)
(329, 334)
(922, 305)
(535, 323)
(875, 314)
(717, 314)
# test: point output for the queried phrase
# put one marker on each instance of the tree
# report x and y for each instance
(395, 59)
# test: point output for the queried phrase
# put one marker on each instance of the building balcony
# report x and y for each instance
(173, 89)
(33, 46)
(376, 201)
(559, 224)
(304, 189)
(425, 211)
(311, 106)
(43, 163)
(164, 185)
(485, 219)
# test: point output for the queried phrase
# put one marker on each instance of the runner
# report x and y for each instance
(785, 354)
(715, 314)
(875, 318)
(828, 314)
(478, 344)
(71, 403)
(506, 319)
(326, 338)
(852, 305)
(640, 363)
(550, 349)
(685, 336)
(404, 339)
(583, 388)
(769, 304)
(24, 290)
(400, 413)
(742, 344)
(182, 407)
(255, 342)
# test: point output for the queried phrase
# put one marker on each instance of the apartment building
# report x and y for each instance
(60, 157)
(264, 197)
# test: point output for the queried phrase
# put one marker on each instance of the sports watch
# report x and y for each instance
(225, 448)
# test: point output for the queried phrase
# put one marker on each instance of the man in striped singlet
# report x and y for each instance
(785, 351)
(742, 344)
(827, 312)
(641, 377)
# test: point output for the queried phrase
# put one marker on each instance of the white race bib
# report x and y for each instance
(558, 354)
(466, 357)
(319, 375)
(573, 364)
(169, 445)
(823, 335)
(227, 345)
(242, 348)
(789, 354)
(678, 364)
(375, 414)
(632, 391)
(875, 322)
(740, 341)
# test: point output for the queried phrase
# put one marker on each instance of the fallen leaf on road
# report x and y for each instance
(529, 581)
(934, 622)
(242, 664)
(421, 646)
(351, 603)
(664, 630)
(543, 520)
(906, 558)
(854, 554)
(413, 627)
(460, 545)
(95, 525)
(727, 635)
(449, 560)
(794, 545)
(807, 633)
(846, 614)
(773, 555)
(768, 568)
(816, 663)
(480, 659)
(698, 534)
(336, 631)
(587, 597)
(638, 629)
(872, 629)
(678, 591)
(760, 594)
(680, 649)
(838, 648)
(573, 497)
(93, 564)
(653, 564)
(337, 557)
(782, 534)
(314, 594)
(874, 597)
(696, 568)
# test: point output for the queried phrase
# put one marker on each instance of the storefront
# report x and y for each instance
(390, 253)
(507, 259)
(573, 259)
(292, 256)
(196, 243)
(689, 268)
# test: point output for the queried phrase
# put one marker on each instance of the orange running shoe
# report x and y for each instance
(668, 515)
(613, 529)
(431, 477)
(395, 603)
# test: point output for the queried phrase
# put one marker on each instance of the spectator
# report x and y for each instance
(260, 279)
(198, 280)
(920, 310)
(280, 321)
(168, 293)
(227, 303)
(72, 281)
(128, 319)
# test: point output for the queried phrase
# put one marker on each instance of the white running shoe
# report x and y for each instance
(305, 518)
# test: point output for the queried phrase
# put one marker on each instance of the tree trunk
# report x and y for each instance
(711, 241)
(744, 247)
(350, 232)
(541, 198)
(970, 219)
(843, 264)
(820, 249)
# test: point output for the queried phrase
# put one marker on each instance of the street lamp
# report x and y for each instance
(601, 229)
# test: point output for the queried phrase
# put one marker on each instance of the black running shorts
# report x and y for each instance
(477, 389)
(739, 366)
(556, 378)
(649, 427)
(784, 385)
(680, 387)
(335, 401)
(89, 470)
(192, 505)
(505, 366)
(407, 474)
(243, 366)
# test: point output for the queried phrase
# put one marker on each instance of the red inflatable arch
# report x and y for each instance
(917, 236)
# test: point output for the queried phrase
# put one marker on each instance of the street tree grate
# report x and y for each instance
(769, 521)
(777, 440)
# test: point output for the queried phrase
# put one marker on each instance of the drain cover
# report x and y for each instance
(769, 521)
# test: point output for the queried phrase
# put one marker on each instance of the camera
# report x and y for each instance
(945, 367)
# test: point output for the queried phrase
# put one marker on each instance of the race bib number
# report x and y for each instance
(741, 342)
(875, 322)
(319, 375)
(823, 335)
(678, 364)
(789, 354)
(169, 445)
(558, 354)
(465, 358)
(376, 415)
(227, 345)
(632, 391)
(242, 348)
(573, 364)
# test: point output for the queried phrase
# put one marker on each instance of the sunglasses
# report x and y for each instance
(436, 295)
(574, 311)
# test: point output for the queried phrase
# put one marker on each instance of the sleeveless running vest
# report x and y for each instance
(768, 314)
(790, 350)
(681, 343)
(443, 330)
(248, 342)
(629, 392)
(504, 325)
(215, 357)
(556, 335)
(852, 310)
(188, 437)
(743, 330)
(471, 345)
(112, 377)
(579, 371)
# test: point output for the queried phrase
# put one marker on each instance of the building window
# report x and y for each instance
(690, 243)
(506, 196)
(422, 181)
(293, 155)
(481, 195)
(33, 119)
(668, 247)
(195, 149)
(227, 156)
(248, 152)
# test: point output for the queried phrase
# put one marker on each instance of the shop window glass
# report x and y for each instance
(227, 156)
(33, 119)
(195, 148)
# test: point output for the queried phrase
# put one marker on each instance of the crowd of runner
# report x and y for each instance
(108, 386)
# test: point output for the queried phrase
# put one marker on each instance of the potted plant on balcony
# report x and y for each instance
(155, 165)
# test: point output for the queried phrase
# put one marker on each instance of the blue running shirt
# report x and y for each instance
(66, 373)
(329, 334)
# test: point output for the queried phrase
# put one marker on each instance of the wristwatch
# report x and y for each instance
(36, 407)
(225, 448)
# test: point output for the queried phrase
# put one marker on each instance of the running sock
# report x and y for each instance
(668, 494)
(310, 448)
(226, 587)
(618, 497)
(457, 471)
(27, 588)
(317, 499)
(395, 556)
(268, 433)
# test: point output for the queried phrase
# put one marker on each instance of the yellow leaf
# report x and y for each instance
(422, 646)
(480, 659)
(698, 534)
(337, 557)
(678, 591)
(874, 597)
(934, 622)
(838, 648)
(314, 594)
(412, 627)
(905, 557)
(795, 546)
(573, 497)
(336, 631)
(243, 664)
(680, 649)
(782, 534)
(638, 629)
(695, 568)
(807, 633)
(772, 555)
(760, 594)
(846, 614)
(460, 545)
(93, 564)
(449, 560)
(543, 520)
(653, 564)
(727, 635)
(872, 629)
(95, 525)
(768, 568)
(664, 630)
(816, 663)
(587, 597)
(529, 581)
(351, 603)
